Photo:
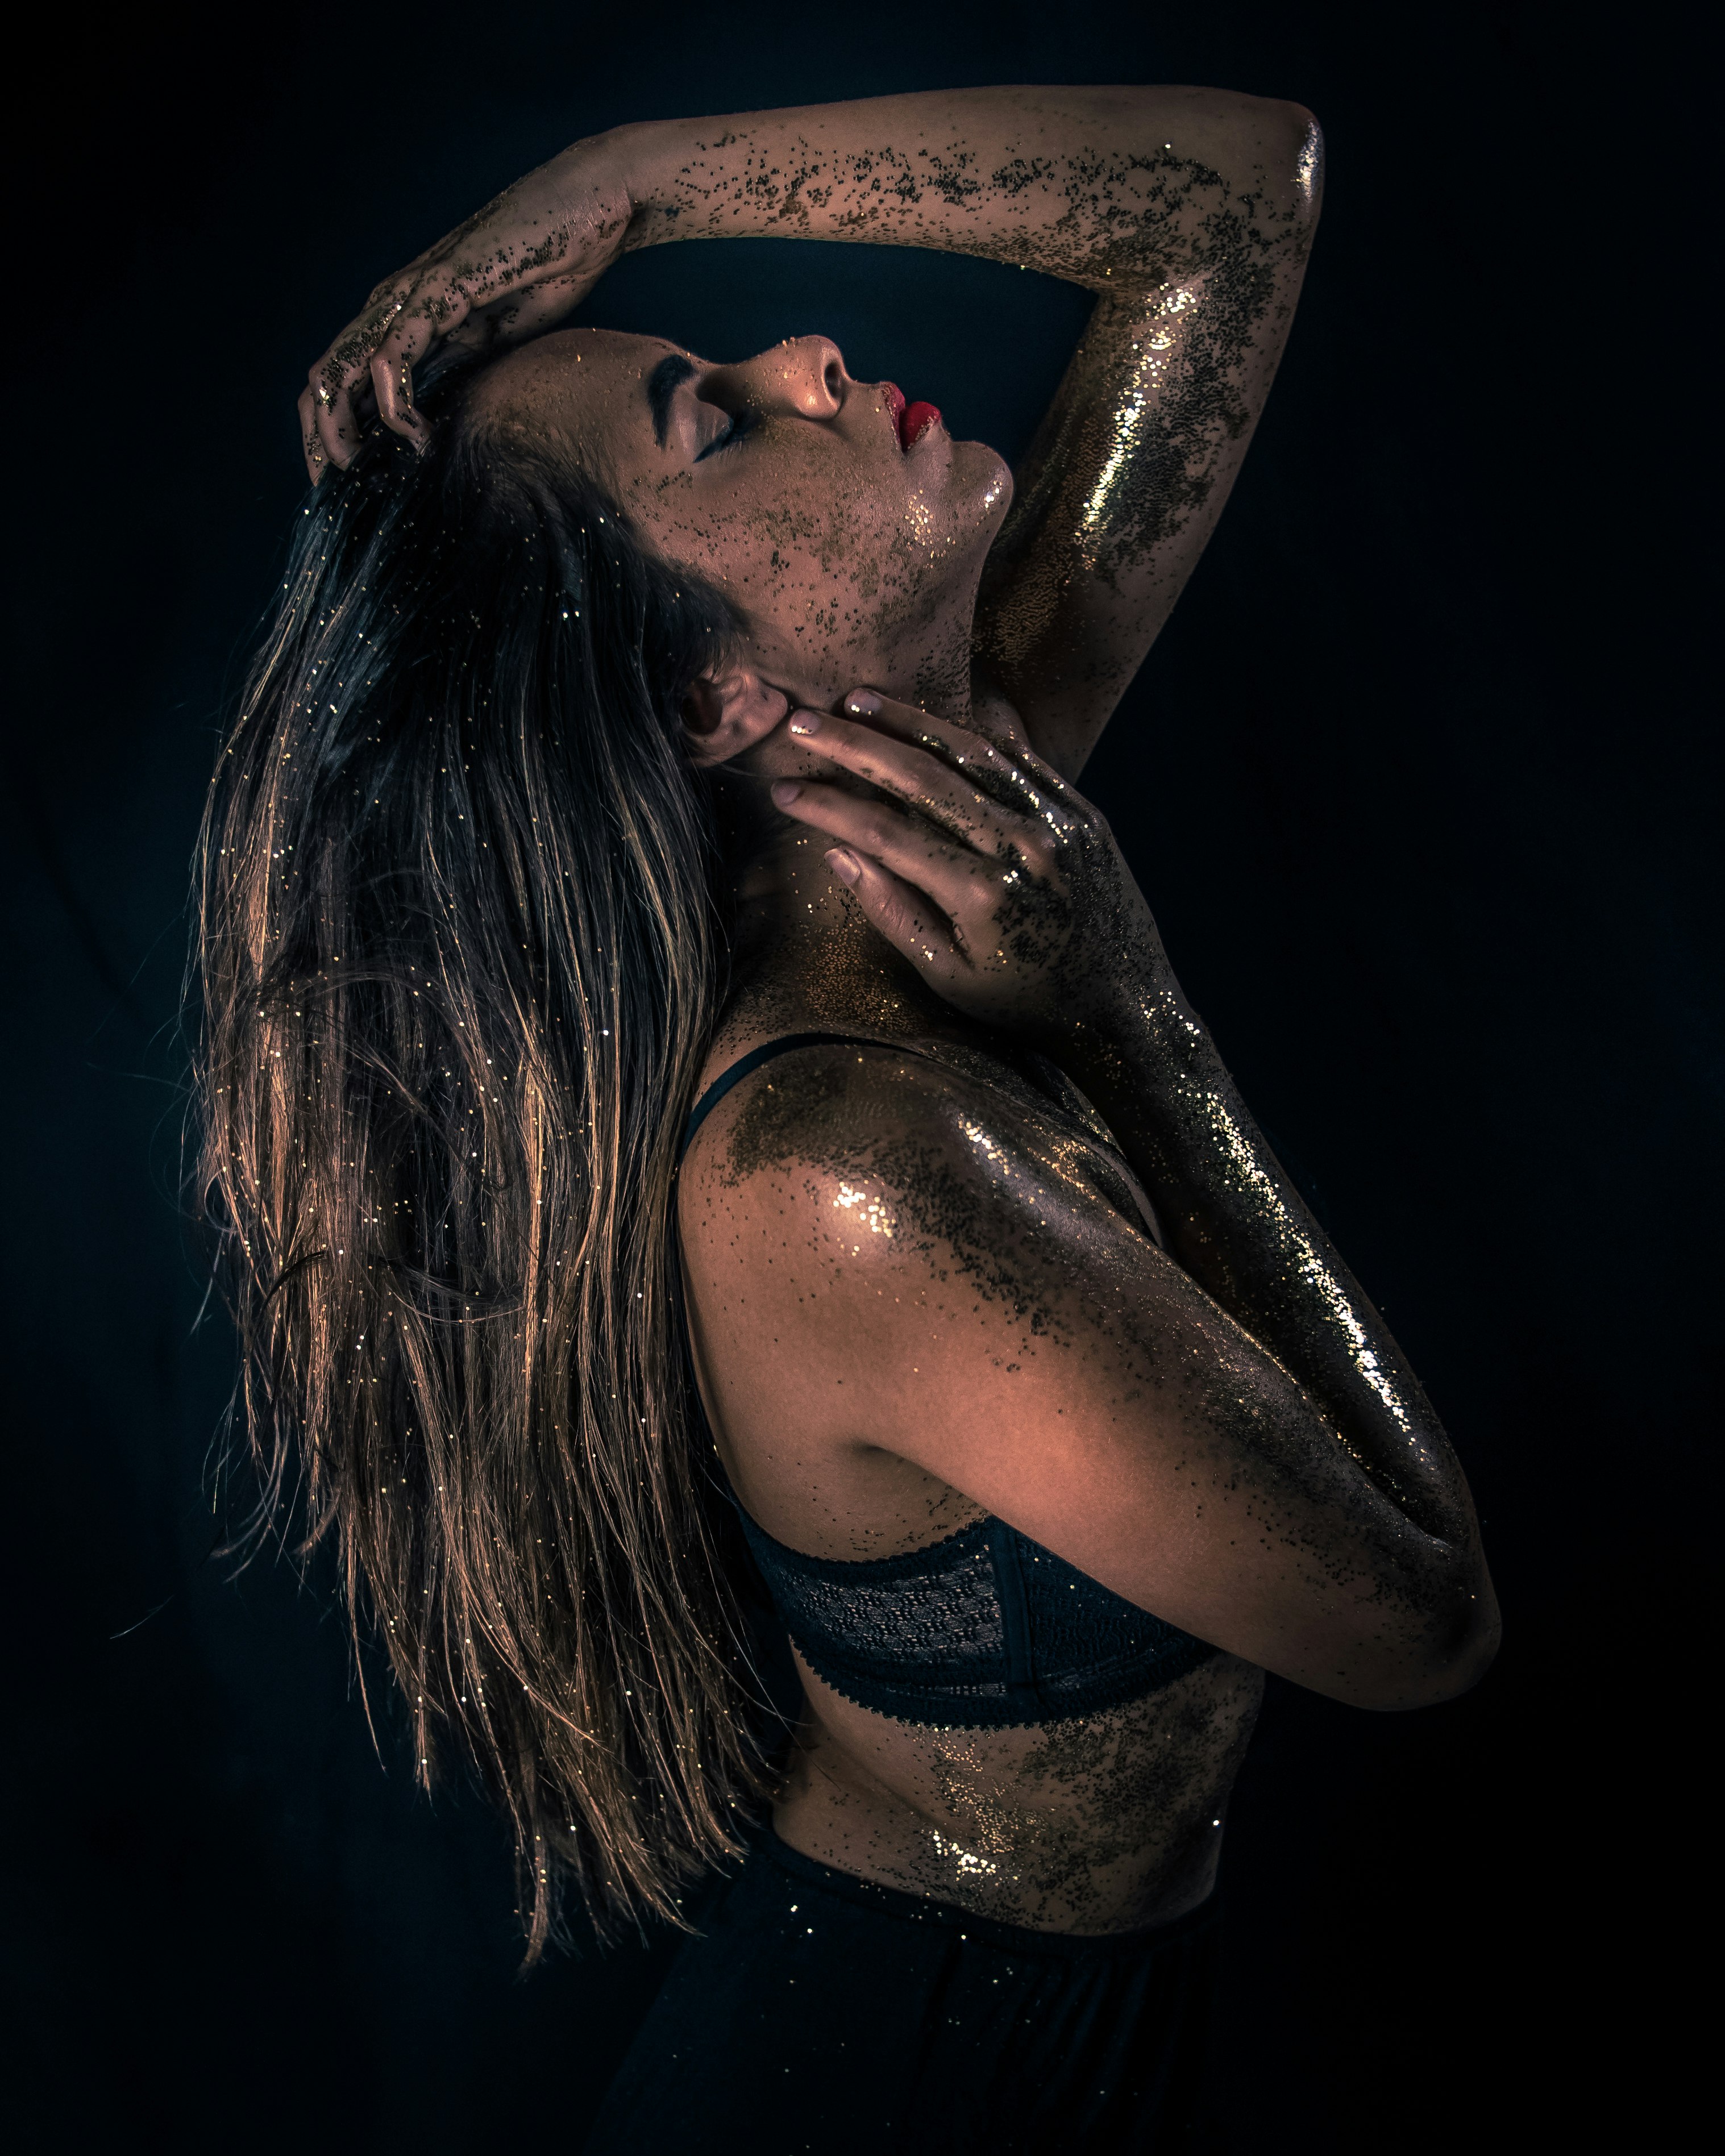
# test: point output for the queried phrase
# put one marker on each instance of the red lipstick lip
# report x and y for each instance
(909, 422)
(914, 422)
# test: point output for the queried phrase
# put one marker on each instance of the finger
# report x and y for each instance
(1010, 769)
(317, 463)
(337, 440)
(957, 879)
(951, 796)
(341, 425)
(391, 381)
(996, 764)
(340, 380)
(902, 914)
(963, 746)
(431, 312)
(338, 426)
(1050, 784)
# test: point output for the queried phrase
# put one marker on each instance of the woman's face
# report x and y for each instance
(853, 557)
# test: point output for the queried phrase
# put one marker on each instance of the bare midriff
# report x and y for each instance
(1104, 1823)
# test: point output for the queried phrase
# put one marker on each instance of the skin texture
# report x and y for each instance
(845, 553)
(1046, 1268)
(1188, 211)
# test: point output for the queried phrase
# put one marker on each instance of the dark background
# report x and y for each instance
(1412, 780)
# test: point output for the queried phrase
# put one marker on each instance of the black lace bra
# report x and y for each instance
(982, 1630)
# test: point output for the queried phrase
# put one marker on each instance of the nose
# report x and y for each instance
(805, 375)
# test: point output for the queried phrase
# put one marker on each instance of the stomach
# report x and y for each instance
(1104, 1823)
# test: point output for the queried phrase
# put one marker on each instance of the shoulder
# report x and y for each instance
(862, 1158)
(889, 1258)
(815, 1120)
(838, 1108)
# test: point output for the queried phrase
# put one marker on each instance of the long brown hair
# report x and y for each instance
(459, 963)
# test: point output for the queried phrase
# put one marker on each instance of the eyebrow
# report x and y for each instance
(663, 383)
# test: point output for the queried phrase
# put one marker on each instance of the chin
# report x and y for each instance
(982, 479)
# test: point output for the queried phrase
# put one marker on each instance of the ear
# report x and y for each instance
(728, 710)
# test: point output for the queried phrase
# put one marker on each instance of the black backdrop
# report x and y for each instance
(1408, 780)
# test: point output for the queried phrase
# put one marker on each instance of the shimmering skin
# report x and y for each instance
(922, 1288)
(1187, 212)
(1094, 1824)
(1002, 1252)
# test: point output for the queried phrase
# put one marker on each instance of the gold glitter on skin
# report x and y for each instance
(1093, 1824)
(1132, 194)
(1046, 1268)
(1040, 1301)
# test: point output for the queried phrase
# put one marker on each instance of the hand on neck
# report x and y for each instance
(806, 956)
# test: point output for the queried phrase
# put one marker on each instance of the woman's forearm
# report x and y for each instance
(1093, 185)
(1236, 1223)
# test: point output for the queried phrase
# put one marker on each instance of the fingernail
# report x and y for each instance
(844, 865)
(784, 791)
(805, 722)
(863, 702)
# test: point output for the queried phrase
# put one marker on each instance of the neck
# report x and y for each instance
(806, 958)
(925, 662)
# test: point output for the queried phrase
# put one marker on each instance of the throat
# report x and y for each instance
(805, 958)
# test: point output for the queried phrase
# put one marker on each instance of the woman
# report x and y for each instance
(649, 922)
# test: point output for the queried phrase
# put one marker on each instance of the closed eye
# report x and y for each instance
(743, 423)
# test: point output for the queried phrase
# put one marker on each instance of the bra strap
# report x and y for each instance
(745, 1065)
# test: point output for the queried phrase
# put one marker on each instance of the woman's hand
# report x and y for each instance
(996, 878)
(524, 260)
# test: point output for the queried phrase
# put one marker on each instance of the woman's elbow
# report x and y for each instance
(1278, 141)
(1301, 160)
(1453, 1663)
(1420, 1659)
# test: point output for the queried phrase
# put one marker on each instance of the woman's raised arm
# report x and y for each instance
(1187, 212)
